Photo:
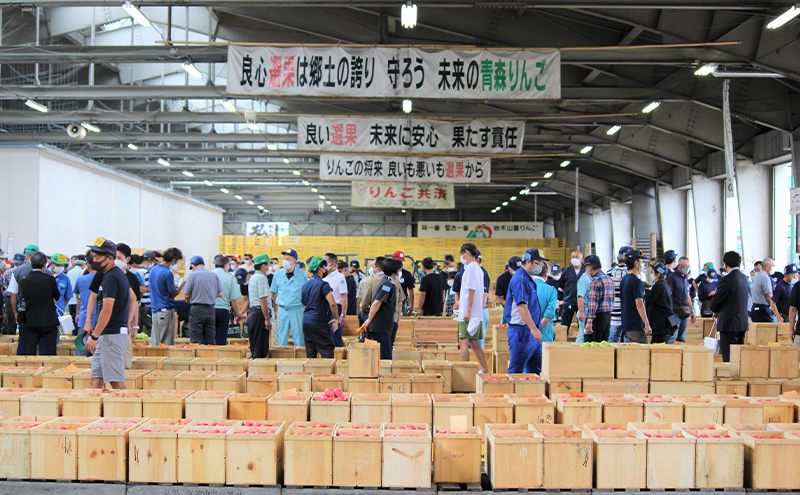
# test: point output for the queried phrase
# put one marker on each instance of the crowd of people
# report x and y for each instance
(109, 295)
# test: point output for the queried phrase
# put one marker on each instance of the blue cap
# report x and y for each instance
(624, 249)
(290, 252)
(533, 255)
(555, 269)
(19, 258)
(591, 259)
(660, 268)
(301, 265)
(631, 254)
(355, 263)
(104, 246)
(670, 255)
(515, 262)
(711, 274)
(790, 269)
(197, 260)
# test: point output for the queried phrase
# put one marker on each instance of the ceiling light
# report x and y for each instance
(321, 196)
(327, 202)
(613, 130)
(286, 161)
(587, 149)
(505, 203)
(223, 190)
(314, 189)
(408, 15)
(250, 202)
(260, 207)
(36, 106)
(513, 198)
(548, 175)
(565, 163)
(90, 127)
(253, 127)
(164, 162)
(402, 211)
(136, 14)
(272, 147)
(784, 18)
(187, 173)
(238, 197)
(649, 108)
(192, 70)
(133, 146)
(229, 105)
(407, 106)
(305, 182)
(208, 182)
(534, 184)
(705, 70)
(494, 211)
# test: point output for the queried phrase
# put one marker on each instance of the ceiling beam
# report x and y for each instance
(746, 5)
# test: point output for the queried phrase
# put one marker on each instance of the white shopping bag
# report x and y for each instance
(474, 325)
(712, 342)
(65, 323)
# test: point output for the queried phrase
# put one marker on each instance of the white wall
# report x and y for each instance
(672, 210)
(603, 238)
(754, 187)
(621, 225)
(708, 196)
(19, 197)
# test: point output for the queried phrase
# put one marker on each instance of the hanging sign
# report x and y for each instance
(409, 135)
(420, 196)
(378, 72)
(269, 229)
(404, 168)
(482, 230)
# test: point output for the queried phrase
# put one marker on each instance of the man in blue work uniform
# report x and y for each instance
(523, 316)
(286, 288)
(320, 311)
(60, 262)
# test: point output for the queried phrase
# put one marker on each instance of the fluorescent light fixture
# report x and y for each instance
(705, 70)
(305, 182)
(402, 211)
(286, 161)
(133, 146)
(250, 202)
(587, 149)
(187, 173)
(494, 211)
(327, 202)
(136, 14)
(505, 203)
(565, 163)
(649, 108)
(314, 189)
(208, 182)
(407, 106)
(36, 106)
(164, 162)
(548, 175)
(192, 70)
(238, 197)
(229, 105)
(295, 172)
(408, 15)
(253, 127)
(613, 130)
(740, 73)
(90, 127)
(784, 18)
(223, 190)
(513, 198)
(321, 196)
(272, 147)
(260, 207)
(534, 184)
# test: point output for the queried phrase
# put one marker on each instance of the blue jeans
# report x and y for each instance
(581, 325)
(525, 351)
(616, 333)
(680, 333)
(485, 324)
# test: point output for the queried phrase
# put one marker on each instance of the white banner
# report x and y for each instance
(268, 229)
(377, 72)
(404, 168)
(420, 196)
(794, 203)
(409, 135)
(482, 230)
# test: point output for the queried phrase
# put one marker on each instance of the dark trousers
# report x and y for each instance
(567, 312)
(362, 317)
(726, 339)
(338, 341)
(202, 324)
(259, 336)
(394, 332)
(73, 312)
(46, 337)
(22, 344)
(385, 340)
(601, 328)
(661, 338)
(222, 320)
(761, 313)
(318, 338)
(11, 326)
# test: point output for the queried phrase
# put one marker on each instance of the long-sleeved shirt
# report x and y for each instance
(548, 303)
(679, 286)
(600, 297)
(569, 282)
(616, 275)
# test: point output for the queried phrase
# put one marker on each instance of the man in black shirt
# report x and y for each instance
(431, 291)
(569, 283)
(40, 291)
(122, 262)
(380, 322)
(406, 280)
(448, 267)
(501, 285)
(352, 289)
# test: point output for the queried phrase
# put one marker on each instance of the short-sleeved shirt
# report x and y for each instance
(679, 286)
(202, 286)
(781, 296)
(386, 293)
(794, 300)
(339, 285)
(761, 286)
(582, 287)
(241, 279)
(74, 273)
(65, 291)
(230, 290)
(257, 288)
(522, 290)
(406, 280)
(457, 282)
(444, 276)
(548, 303)
(501, 285)
(616, 275)
(630, 289)
(471, 280)
(162, 284)
(314, 296)
(133, 282)
(569, 282)
(288, 286)
(145, 274)
(432, 286)
(352, 290)
(487, 281)
(83, 292)
(114, 285)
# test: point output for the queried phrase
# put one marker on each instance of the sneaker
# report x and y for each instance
(480, 372)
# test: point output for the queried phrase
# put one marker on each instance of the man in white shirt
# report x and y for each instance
(470, 306)
(339, 286)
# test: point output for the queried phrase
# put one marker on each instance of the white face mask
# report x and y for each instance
(287, 265)
(450, 282)
(557, 277)
(58, 269)
(120, 264)
(451, 269)
(371, 271)
(463, 260)
(576, 262)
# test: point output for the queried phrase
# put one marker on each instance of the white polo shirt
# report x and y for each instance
(339, 285)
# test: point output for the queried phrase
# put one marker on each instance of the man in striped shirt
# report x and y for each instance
(616, 274)
(599, 301)
(145, 318)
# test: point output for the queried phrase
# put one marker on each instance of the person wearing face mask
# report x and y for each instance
(448, 267)
(145, 316)
(286, 291)
(599, 301)
(523, 314)
(670, 261)
(678, 282)
(352, 289)
(202, 289)
(431, 291)
(761, 291)
(339, 285)
(706, 288)
(355, 269)
(470, 306)
(367, 288)
(59, 262)
(569, 284)
(729, 305)
(783, 291)
(40, 291)
(259, 318)
(321, 311)
(381, 320)
(553, 280)
(135, 283)
(617, 273)
(659, 306)
(635, 325)
(162, 297)
(450, 295)
(548, 302)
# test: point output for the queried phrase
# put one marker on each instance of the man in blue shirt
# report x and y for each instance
(548, 302)
(524, 316)
(162, 297)
(59, 262)
(678, 283)
(320, 311)
(286, 287)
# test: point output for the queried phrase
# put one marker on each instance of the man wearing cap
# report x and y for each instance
(547, 295)
(339, 285)
(431, 291)
(321, 312)
(553, 281)
(635, 325)
(74, 273)
(229, 300)
(599, 301)
(18, 304)
(287, 288)
(616, 273)
(382, 318)
(355, 269)
(162, 297)
(109, 339)
(259, 318)
(523, 314)
(145, 315)
(706, 288)
(783, 291)
(729, 305)
(60, 262)
(406, 280)
(501, 285)
(202, 289)
(678, 282)
(670, 260)
(659, 306)
(569, 284)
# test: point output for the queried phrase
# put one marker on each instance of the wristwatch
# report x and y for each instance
(93, 337)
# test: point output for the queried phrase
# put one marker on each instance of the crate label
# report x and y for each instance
(583, 454)
(314, 454)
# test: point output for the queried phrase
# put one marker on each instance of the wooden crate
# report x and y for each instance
(248, 406)
(288, 408)
(254, 454)
(157, 351)
(427, 383)
(573, 361)
(620, 408)
(500, 337)
(329, 411)
(184, 351)
(749, 361)
(160, 380)
(412, 408)
(320, 382)
(23, 377)
(721, 370)
(698, 364)
(299, 381)
(528, 383)
(404, 366)
(762, 333)
(203, 405)
(44, 402)
(616, 386)
(465, 375)
(565, 386)
(662, 410)
(207, 364)
(682, 388)
(701, 409)
(620, 459)
(164, 404)
(764, 388)
(742, 411)
(357, 455)
(291, 365)
(371, 408)
(58, 379)
(124, 403)
(262, 365)
(363, 360)
(514, 459)
(445, 406)
(308, 458)
(134, 379)
(202, 452)
(769, 460)
(494, 383)
(633, 361)
(54, 448)
(232, 352)
(232, 365)
(670, 461)
(578, 411)
(492, 408)
(788, 386)
(206, 351)
(784, 362)
(363, 385)
(103, 449)
(9, 400)
(719, 461)
(737, 387)
(432, 355)
(500, 360)
(533, 409)
(177, 363)
(457, 455)
(192, 380)
(440, 367)
(407, 354)
(82, 380)
(262, 383)
(85, 403)
(406, 457)
(395, 383)
(666, 363)
(15, 450)
(228, 382)
(568, 456)
(320, 366)
(282, 352)
(775, 409)
(149, 363)
(84, 362)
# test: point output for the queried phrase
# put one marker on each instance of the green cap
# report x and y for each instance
(79, 344)
(261, 259)
(59, 259)
(313, 265)
(708, 266)
(31, 248)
